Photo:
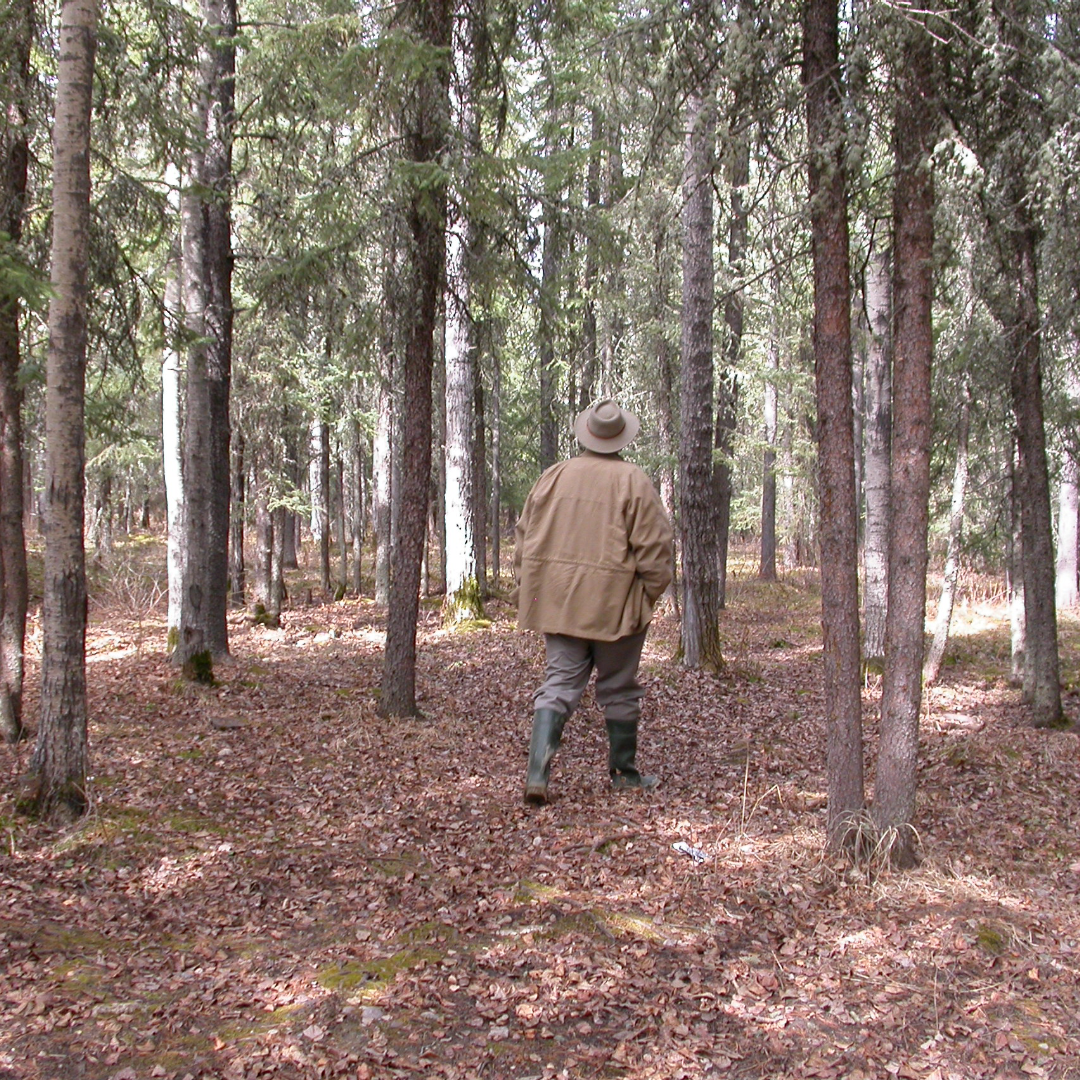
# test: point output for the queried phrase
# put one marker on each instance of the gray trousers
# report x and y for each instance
(570, 661)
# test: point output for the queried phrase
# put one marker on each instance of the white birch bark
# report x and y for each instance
(877, 433)
(172, 422)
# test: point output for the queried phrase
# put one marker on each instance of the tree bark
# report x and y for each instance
(462, 600)
(697, 506)
(14, 585)
(426, 128)
(549, 288)
(915, 127)
(320, 497)
(932, 667)
(1010, 130)
(1037, 545)
(728, 404)
(172, 433)
(237, 571)
(767, 563)
(1015, 573)
(1065, 579)
(207, 260)
(360, 495)
(495, 410)
(835, 420)
(57, 785)
(877, 431)
(220, 18)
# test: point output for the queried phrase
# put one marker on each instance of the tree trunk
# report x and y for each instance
(877, 431)
(728, 405)
(343, 550)
(462, 599)
(172, 433)
(358, 517)
(57, 781)
(207, 260)
(932, 667)
(909, 496)
(264, 546)
(279, 527)
(479, 471)
(697, 513)
(1037, 545)
(220, 18)
(14, 585)
(590, 347)
(1015, 573)
(549, 289)
(767, 564)
(496, 466)
(236, 525)
(323, 503)
(381, 490)
(426, 128)
(1065, 586)
(835, 420)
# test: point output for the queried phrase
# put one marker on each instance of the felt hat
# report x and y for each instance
(606, 428)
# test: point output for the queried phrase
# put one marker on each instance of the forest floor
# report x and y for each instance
(274, 882)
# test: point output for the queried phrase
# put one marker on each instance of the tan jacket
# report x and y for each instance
(594, 550)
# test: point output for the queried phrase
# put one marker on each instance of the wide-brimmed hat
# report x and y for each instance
(606, 428)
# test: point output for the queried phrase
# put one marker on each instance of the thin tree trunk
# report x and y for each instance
(14, 585)
(279, 526)
(549, 286)
(57, 778)
(877, 430)
(665, 386)
(496, 466)
(767, 564)
(220, 18)
(1065, 586)
(909, 496)
(172, 439)
(697, 516)
(358, 518)
(382, 472)
(237, 571)
(324, 505)
(343, 549)
(835, 421)
(425, 142)
(479, 485)
(943, 620)
(264, 547)
(1040, 615)
(1015, 572)
(728, 404)
(589, 337)
(462, 599)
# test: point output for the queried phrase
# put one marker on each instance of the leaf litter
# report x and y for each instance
(274, 881)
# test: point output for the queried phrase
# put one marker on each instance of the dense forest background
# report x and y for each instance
(344, 275)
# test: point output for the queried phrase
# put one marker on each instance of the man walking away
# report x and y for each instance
(593, 555)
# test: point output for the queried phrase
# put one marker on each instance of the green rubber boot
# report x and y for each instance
(622, 752)
(546, 735)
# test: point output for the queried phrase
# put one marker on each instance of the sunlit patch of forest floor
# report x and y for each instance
(275, 882)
